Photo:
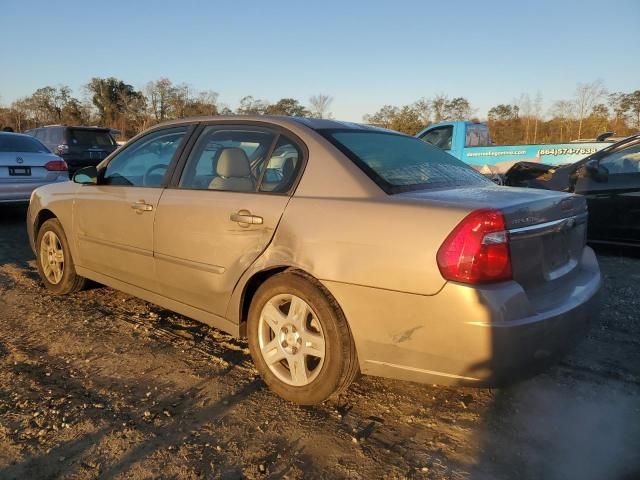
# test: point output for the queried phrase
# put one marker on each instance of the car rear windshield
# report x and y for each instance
(98, 138)
(20, 143)
(400, 163)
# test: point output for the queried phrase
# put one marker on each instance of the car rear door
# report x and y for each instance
(215, 220)
(113, 220)
(614, 203)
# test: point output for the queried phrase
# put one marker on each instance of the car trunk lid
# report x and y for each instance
(547, 229)
(20, 167)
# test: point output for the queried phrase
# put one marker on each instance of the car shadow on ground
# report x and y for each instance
(577, 417)
(16, 249)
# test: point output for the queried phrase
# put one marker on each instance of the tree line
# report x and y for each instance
(590, 112)
(113, 103)
(110, 102)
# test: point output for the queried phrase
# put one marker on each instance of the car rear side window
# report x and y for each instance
(228, 158)
(86, 137)
(399, 163)
(282, 168)
(21, 143)
(477, 135)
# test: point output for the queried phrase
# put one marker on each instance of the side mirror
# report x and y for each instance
(597, 171)
(86, 176)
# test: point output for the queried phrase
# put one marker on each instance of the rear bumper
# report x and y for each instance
(486, 336)
(15, 193)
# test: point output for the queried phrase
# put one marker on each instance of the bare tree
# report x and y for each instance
(159, 95)
(525, 108)
(423, 107)
(439, 107)
(564, 111)
(319, 105)
(587, 96)
(537, 112)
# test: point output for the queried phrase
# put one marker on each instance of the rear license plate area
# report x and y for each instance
(558, 249)
(20, 171)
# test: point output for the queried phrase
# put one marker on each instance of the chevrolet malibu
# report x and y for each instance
(335, 248)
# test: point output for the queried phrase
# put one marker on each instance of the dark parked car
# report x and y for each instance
(78, 146)
(609, 179)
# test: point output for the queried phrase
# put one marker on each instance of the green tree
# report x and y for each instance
(406, 119)
(503, 112)
(287, 106)
(458, 108)
(110, 97)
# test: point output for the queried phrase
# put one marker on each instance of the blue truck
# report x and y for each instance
(471, 143)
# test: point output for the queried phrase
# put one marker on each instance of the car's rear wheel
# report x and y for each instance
(55, 263)
(299, 339)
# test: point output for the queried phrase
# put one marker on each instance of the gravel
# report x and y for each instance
(101, 384)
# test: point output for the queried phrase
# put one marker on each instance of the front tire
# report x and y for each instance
(55, 264)
(299, 340)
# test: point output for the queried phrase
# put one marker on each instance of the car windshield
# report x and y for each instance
(21, 143)
(399, 163)
(90, 137)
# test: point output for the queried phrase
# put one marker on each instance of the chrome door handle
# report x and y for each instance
(244, 217)
(141, 206)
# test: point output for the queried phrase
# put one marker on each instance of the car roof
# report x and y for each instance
(282, 120)
(78, 127)
(16, 134)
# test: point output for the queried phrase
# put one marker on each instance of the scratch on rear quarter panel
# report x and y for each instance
(406, 335)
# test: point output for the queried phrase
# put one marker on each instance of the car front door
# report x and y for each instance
(614, 201)
(113, 220)
(222, 212)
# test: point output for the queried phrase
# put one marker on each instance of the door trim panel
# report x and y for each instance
(127, 248)
(205, 267)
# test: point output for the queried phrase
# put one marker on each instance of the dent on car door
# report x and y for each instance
(113, 220)
(614, 200)
(222, 213)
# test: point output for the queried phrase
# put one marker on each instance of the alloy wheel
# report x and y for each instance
(291, 340)
(52, 257)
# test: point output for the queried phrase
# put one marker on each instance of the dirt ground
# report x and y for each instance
(103, 385)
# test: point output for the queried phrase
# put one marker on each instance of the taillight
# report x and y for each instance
(477, 250)
(62, 149)
(56, 166)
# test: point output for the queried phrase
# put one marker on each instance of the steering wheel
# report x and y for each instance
(146, 179)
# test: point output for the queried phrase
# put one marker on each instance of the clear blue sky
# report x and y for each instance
(365, 54)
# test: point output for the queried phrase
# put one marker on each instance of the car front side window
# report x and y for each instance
(145, 162)
(624, 161)
(439, 137)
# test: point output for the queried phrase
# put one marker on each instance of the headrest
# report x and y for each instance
(287, 168)
(233, 162)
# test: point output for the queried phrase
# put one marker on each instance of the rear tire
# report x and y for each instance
(55, 264)
(299, 340)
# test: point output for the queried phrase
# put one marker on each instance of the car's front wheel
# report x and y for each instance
(299, 339)
(55, 263)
